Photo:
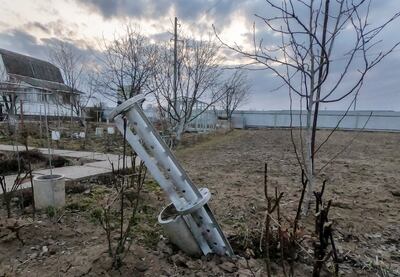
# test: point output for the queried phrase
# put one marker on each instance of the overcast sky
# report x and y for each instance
(29, 26)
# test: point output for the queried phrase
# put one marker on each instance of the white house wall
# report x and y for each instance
(33, 104)
(43, 109)
(3, 73)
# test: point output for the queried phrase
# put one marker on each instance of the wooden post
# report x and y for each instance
(40, 122)
(22, 112)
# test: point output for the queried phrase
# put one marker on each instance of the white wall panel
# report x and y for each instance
(379, 120)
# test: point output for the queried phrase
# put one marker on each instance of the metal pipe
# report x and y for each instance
(190, 203)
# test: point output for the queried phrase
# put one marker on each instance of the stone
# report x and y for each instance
(374, 236)
(215, 269)
(201, 274)
(179, 260)
(252, 263)
(50, 242)
(33, 255)
(242, 263)
(244, 273)
(80, 270)
(194, 264)
(45, 249)
(228, 267)
(395, 193)
(207, 258)
(164, 248)
(141, 266)
(52, 250)
(342, 205)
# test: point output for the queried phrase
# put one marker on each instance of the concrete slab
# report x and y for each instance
(116, 163)
(100, 165)
(4, 147)
(75, 172)
(64, 152)
(71, 153)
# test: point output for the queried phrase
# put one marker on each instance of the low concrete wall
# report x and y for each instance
(378, 121)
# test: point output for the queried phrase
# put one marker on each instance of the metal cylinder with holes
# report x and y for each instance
(189, 202)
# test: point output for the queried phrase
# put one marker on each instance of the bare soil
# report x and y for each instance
(363, 183)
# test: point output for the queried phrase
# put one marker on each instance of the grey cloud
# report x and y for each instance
(57, 28)
(60, 29)
(192, 10)
(22, 42)
(123, 8)
(37, 25)
(105, 7)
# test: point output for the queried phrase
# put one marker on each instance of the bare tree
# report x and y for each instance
(9, 88)
(127, 65)
(70, 62)
(313, 61)
(197, 89)
(72, 65)
(236, 91)
(9, 191)
(11, 91)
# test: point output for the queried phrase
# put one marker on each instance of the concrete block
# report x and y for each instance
(49, 190)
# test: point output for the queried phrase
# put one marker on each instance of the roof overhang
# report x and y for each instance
(41, 84)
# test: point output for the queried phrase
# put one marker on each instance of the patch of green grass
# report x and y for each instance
(82, 205)
(89, 201)
(147, 230)
(149, 235)
(152, 186)
(99, 191)
(96, 215)
(51, 211)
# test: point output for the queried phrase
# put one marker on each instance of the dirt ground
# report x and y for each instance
(363, 183)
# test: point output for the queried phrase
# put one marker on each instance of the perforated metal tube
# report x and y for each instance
(189, 202)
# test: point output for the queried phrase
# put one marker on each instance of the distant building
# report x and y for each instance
(34, 86)
(203, 117)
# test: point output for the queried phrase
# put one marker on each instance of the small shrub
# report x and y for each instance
(96, 215)
(51, 211)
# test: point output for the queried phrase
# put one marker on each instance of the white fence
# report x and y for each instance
(42, 109)
(368, 120)
(205, 122)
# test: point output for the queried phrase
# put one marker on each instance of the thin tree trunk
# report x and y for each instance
(179, 132)
(309, 161)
